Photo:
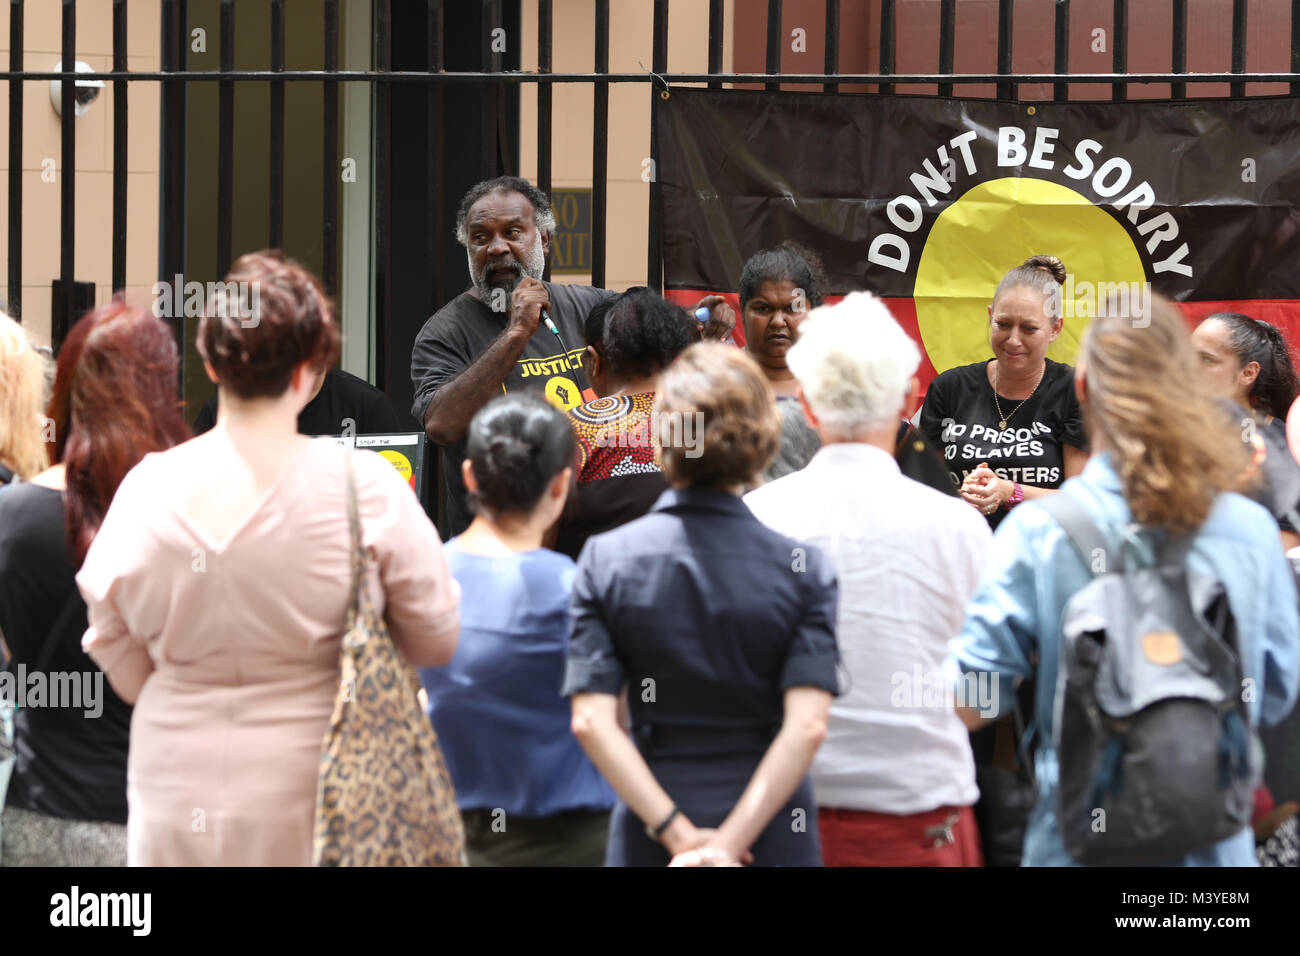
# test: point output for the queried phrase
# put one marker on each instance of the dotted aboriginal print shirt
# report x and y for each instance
(618, 469)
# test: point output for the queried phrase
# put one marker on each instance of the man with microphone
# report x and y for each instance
(509, 330)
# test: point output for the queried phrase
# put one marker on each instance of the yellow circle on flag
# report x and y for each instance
(562, 392)
(995, 227)
(398, 461)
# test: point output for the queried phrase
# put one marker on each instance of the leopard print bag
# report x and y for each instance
(384, 797)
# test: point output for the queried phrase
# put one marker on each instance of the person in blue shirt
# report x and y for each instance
(527, 792)
(1163, 462)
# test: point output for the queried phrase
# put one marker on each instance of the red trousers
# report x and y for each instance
(943, 837)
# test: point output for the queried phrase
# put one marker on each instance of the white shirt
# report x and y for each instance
(908, 558)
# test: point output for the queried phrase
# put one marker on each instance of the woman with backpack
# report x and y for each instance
(1160, 485)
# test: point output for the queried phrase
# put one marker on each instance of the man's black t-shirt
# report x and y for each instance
(343, 399)
(462, 330)
(960, 419)
(71, 761)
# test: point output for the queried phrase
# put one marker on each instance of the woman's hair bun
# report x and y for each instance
(1049, 264)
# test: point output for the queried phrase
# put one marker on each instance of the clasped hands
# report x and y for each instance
(692, 846)
(985, 491)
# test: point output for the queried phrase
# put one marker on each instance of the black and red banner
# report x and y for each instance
(928, 201)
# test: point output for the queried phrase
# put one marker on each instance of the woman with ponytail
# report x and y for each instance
(1246, 361)
(1165, 460)
(527, 793)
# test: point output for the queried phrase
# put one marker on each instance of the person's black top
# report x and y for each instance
(343, 399)
(961, 421)
(71, 760)
(458, 333)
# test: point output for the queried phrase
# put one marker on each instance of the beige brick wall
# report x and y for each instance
(631, 31)
(42, 42)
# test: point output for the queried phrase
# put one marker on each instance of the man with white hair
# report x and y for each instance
(895, 779)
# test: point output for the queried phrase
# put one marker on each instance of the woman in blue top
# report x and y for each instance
(528, 794)
(1163, 459)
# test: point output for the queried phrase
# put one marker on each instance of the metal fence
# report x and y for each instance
(174, 76)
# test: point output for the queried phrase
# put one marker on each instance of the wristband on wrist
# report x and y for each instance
(1017, 496)
(655, 833)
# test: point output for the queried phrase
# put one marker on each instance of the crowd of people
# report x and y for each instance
(680, 601)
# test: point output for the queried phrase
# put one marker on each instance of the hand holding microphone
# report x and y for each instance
(528, 302)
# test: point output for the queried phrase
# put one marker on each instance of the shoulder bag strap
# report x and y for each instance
(358, 554)
(1083, 532)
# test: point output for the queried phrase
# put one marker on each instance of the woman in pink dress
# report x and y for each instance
(217, 589)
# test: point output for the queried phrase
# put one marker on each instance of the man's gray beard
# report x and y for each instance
(534, 268)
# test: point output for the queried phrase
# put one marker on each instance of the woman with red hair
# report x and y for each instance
(114, 402)
(218, 589)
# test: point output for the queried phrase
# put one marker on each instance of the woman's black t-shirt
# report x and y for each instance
(960, 419)
(72, 737)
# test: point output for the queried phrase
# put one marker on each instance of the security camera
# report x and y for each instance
(85, 92)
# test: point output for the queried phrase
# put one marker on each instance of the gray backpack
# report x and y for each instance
(1150, 722)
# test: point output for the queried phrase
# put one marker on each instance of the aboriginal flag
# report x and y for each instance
(928, 201)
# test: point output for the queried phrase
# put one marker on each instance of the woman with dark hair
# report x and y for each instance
(1164, 468)
(630, 341)
(778, 287)
(725, 633)
(1248, 362)
(114, 402)
(528, 794)
(217, 588)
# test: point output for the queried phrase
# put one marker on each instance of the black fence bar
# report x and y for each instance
(832, 44)
(716, 28)
(600, 149)
(331, 172)
(886, 43)
(772, 61)
(545, 21)
(435, 208)
(659, 65)
(1119, 48)
(1006, 90)
(275, 227)
(15, 304)
(1061, 60)
(119, 147)
(1295, 44)
(226, 142)
(174, 45)
(171, 147)
(947, 27)
(1178, 55)
(491, 62)
(68, 167)
(383, 180)
(1238, 45)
